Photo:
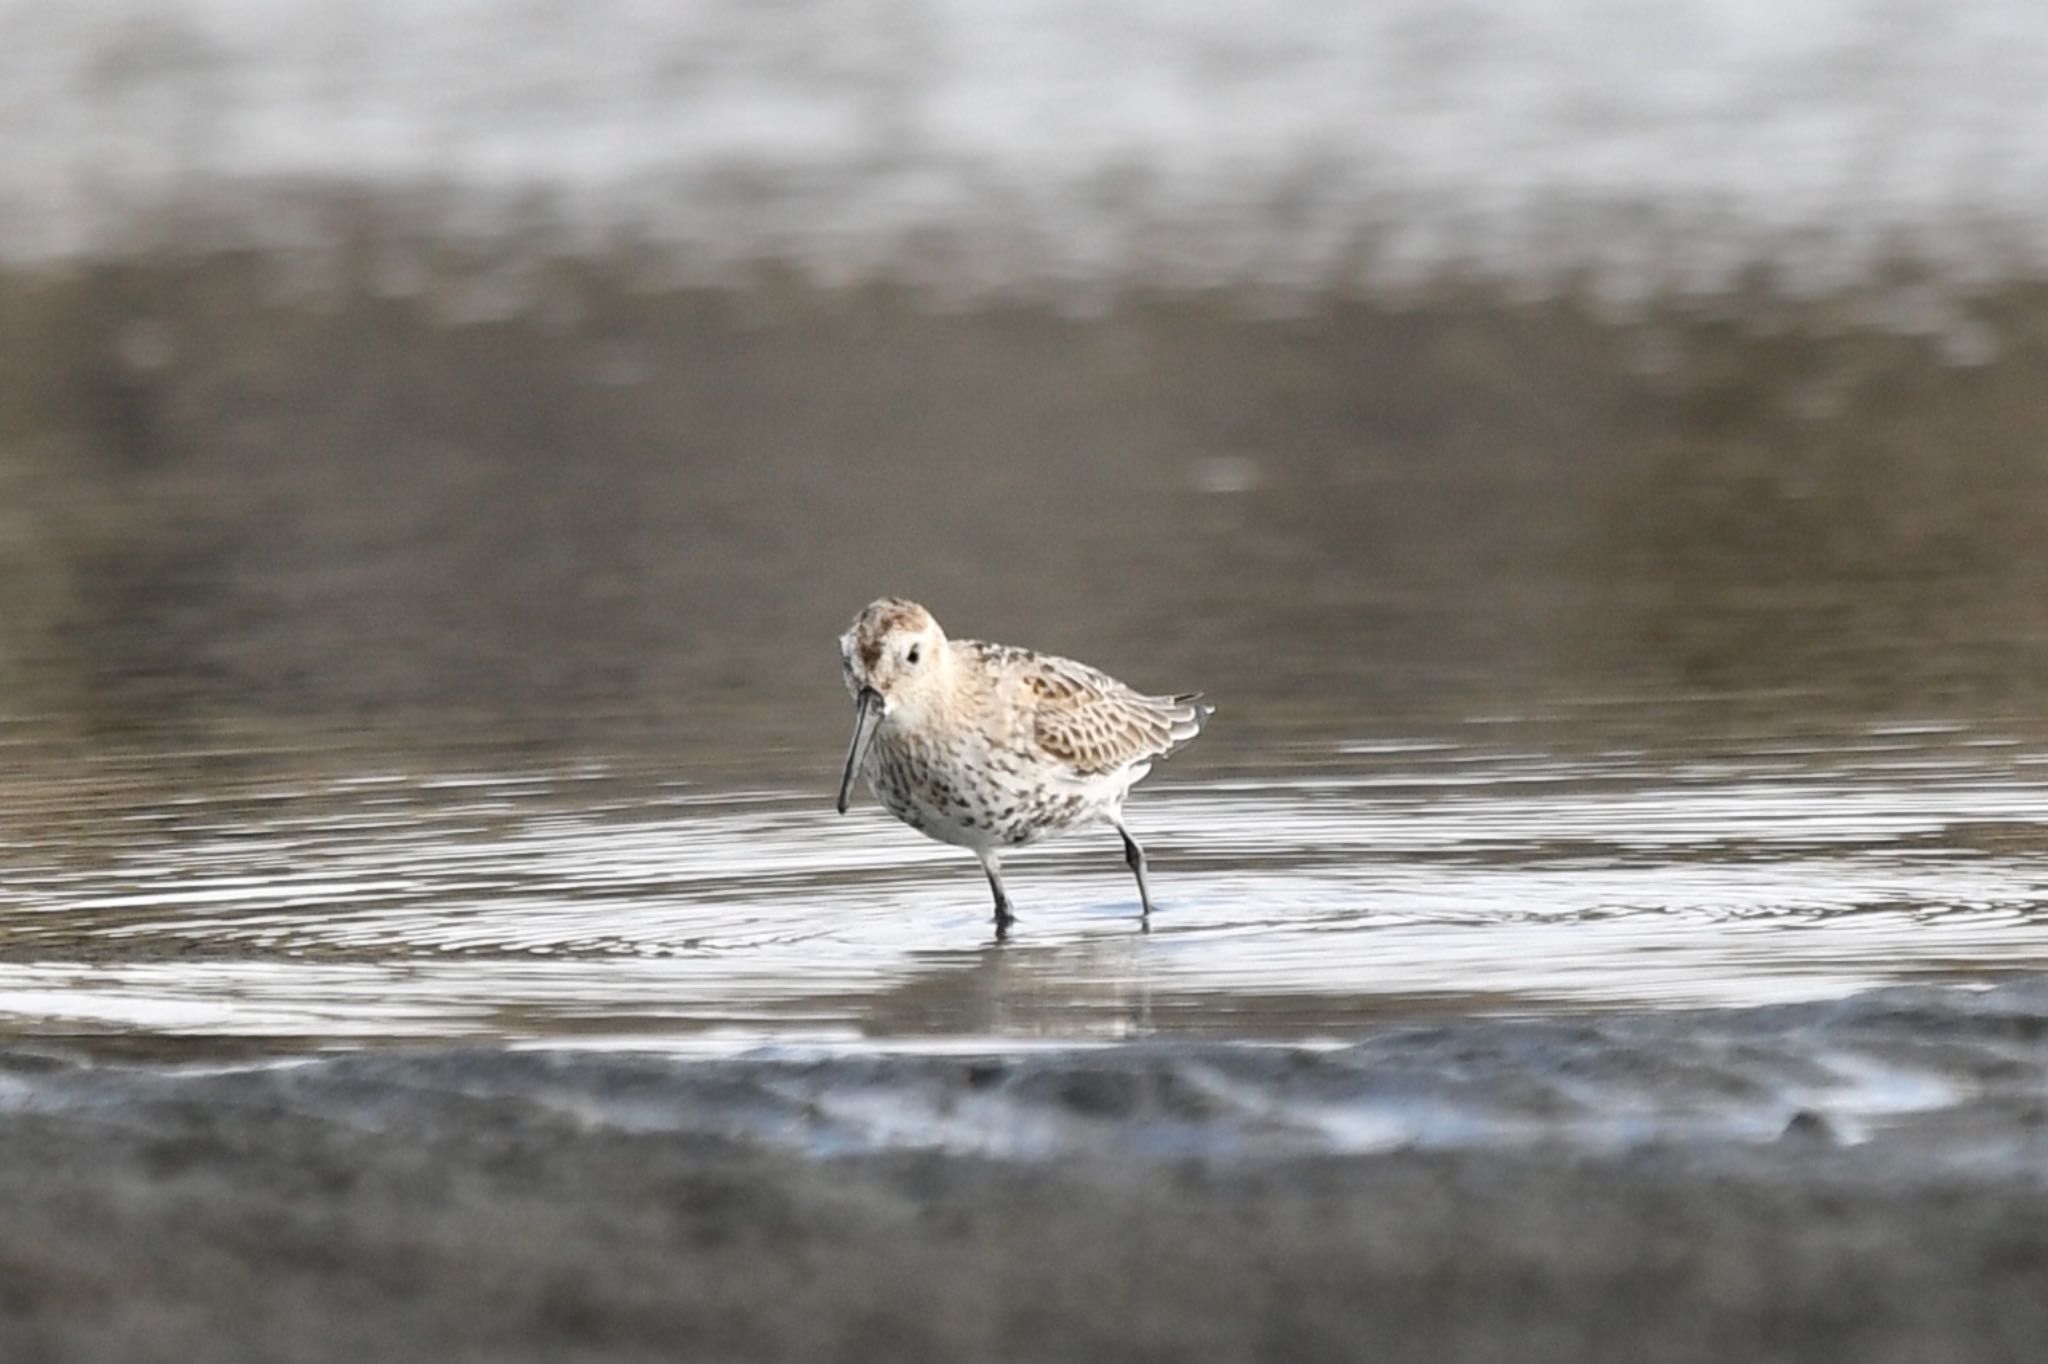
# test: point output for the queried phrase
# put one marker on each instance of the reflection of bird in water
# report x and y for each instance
(989, 747)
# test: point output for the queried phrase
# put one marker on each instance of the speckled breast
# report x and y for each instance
(986, 798)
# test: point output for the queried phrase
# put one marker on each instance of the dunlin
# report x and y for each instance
(988, 747)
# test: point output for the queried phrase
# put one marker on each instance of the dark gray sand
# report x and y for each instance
(271, 1237)
(494, 1205)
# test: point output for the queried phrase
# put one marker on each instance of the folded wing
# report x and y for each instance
(1095, 724)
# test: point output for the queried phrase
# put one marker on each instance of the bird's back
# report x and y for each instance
(1080, 719)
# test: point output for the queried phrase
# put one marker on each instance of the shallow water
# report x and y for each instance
(606, 906)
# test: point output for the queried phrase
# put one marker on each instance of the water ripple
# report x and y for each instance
(1402, 879)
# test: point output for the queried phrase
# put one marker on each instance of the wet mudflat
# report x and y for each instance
(425, 933)
(518, 1205)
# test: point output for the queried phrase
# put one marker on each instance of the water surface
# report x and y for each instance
(1381, 881)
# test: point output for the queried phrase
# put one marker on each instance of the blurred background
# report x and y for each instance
(1593, 452)
(540, 378)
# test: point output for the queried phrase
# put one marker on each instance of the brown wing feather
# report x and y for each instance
(1094, 723)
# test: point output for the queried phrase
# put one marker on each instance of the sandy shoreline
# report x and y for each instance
(485, 1204)
(253, 1236)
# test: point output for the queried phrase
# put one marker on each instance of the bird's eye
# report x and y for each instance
(911, 657)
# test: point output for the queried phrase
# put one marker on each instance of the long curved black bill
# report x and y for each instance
(867, 710)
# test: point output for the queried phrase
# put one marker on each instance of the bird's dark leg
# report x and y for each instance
(1135, 856)
(1004, 918)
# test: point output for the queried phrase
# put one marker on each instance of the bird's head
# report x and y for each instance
(892, 654)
